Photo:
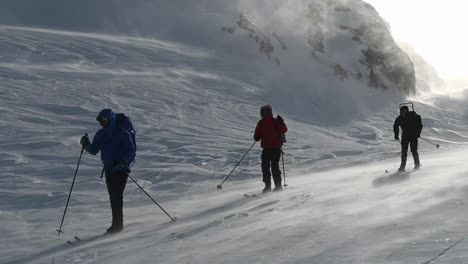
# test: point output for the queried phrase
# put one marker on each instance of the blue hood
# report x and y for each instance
(115, 144)
(109, 115)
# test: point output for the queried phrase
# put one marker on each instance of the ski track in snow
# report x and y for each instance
(194, 120)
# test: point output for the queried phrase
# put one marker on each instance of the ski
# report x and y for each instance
(71, 242)
(253, 195)
(402, 172)
(78, 240)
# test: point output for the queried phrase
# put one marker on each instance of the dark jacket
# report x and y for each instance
(114, 143)
(411, 125)
(269, 130)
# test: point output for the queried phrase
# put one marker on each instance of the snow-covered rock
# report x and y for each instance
(347, 36)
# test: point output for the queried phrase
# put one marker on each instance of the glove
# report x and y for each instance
(280, 119)
(118, 167)
(397, 138)
(85, 141)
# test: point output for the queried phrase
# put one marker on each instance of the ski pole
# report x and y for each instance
(284, 171)
(71, 189)
(172, 218)
(436, 145)
(220, 186)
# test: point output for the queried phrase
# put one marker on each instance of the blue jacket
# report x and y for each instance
(114, 143)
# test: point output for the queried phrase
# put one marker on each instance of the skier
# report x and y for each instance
(270, 131)
(117, 151)
(411, 126)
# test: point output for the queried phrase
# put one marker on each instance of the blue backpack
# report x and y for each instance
(124, 122)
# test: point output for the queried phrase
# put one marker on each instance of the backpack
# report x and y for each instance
(281, 135)
(124, 122)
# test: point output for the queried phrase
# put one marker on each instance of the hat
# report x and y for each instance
(266, 110)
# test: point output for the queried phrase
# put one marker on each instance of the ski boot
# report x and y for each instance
(267, 189)
(278, 188)
(115, 228)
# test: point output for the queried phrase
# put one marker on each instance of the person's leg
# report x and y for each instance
(266, 168)
(115, 186)
(414, 151)
(275, 169)
(404, 153)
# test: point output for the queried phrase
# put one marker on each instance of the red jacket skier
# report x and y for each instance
(271, 132)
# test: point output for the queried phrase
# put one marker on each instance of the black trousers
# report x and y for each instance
(271, 158)
(413, 144)
(115, 187)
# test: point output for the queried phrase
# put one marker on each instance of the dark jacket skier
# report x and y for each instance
(411, 126)
(117, 149)
(270, 131)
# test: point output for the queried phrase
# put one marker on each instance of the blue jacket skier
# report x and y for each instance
(117, 150)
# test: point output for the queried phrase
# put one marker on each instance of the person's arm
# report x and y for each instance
(284, 128)
(396, 125)
(95, 146)
(420, 125)
(258, 134)
(128, 150)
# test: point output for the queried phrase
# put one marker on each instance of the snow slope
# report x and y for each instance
(195, 111)
(353, 215)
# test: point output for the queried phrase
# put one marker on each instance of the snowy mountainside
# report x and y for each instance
(195, 102)
(428, 79)
(185, 106)
(332, 38)
(347, 37)
(194, 118)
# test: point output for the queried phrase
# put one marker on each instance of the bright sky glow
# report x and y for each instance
(436, 29)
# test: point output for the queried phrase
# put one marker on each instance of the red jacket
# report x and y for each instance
(269, 130)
